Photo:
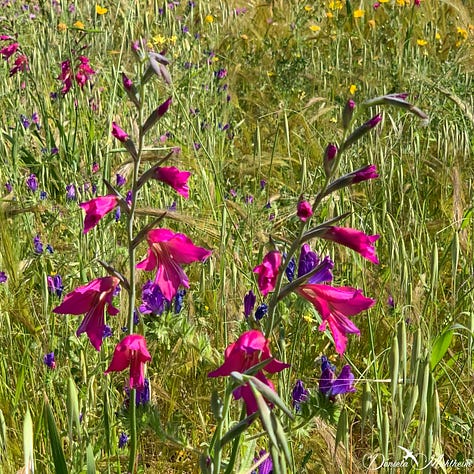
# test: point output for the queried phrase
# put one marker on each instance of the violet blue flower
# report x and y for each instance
(153, 300)
(178, 301)
(48, 359)
(3, 277)
(261, 311)
(299, 394)
(330, 385)
(123, 440)
(55, 285)
(249, 303)
(32, 182)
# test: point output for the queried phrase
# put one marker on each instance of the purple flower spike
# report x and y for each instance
(153, 300)
(3, 277)
(32, 182)
(299, 394)
(249, 303)
(48, 359)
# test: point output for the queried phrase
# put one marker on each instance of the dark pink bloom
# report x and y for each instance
(363, 174)
(131, 352)
(304, 210)
(167, 252)
(96, 209)
(9, 50)
(268, 271)
(177, 179)
(20, 64)
(354, 239)
(84, 71)
(118, 133)
(335, 304)
(127, 82)
(66, 76)
(250, 349)
(91, 299)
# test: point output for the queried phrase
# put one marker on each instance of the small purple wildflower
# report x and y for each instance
(38, 245)
(178, 301)
(32, 182)
(43, 195)
(263, 183)
(266, 467)
(153, 300)
(8, 187)
(48, 359)
(299, 395)
(107, 331)
(330, 385)
(117, 215)
(3, 277)
(390, 302)
(249, 303)
(261, 311)
(123, 440)
(49, 248)
(70, 192)
(55, 285)
(24, 121)
(290, 270)
(120, 180)
(128, 198)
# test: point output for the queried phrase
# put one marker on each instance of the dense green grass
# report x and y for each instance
(290, 67)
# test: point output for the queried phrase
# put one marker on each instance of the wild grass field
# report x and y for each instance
(148, 146)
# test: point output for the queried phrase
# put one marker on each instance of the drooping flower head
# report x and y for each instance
(335, 304)
(118, 133)
(91, 299)
(175, 178)
(131, 352)
(354, 239)
(330, 385)
(166, 253)
(96, 209)
(267, 271)
(250, 348)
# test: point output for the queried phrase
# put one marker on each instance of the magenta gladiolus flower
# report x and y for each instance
(96, 209)
(304, 210)
(335, 304)
(118, 133)
(268, 271)
(91, 299)
(84, 71)
(363, 174)
(354, 239)
(9, 50)
(167, 252)
(177, 179)
(250, 349)
(131, 352)
(20, 65)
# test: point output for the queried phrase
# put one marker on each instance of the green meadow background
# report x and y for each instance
(290, 67)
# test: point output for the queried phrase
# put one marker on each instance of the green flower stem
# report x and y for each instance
(215, 447)
(132, 281)
(277, 295)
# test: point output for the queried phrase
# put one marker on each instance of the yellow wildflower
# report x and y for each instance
(307, 317)
(352, 89)
(384, 1)
(371, 23)
(438, 36)
(329, 15)
(315, 28)
(62, 27)
(308, 8)
(100, 10)
(209, 19)
(244, 37)
(270, 73)
(159, 40)
(172, 39)
(79, 25)
(462, 32)
(358, 13)
(421, 42)
(335, 5)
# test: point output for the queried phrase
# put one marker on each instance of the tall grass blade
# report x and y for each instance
(59, 459)
(28, 449)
